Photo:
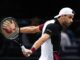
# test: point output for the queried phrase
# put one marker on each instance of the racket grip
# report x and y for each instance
(23, 48)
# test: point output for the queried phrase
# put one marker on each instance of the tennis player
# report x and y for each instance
(51, 35)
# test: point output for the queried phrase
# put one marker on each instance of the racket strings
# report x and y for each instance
(14, 36)
(11, 35)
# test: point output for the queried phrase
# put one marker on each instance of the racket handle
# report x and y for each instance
(23, 48)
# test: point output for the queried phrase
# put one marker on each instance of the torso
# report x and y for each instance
(53, 43)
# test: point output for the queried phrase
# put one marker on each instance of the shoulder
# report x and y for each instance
(48, 25)
(41, 26)
(49, 22)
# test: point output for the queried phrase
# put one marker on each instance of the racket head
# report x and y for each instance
(13, 34)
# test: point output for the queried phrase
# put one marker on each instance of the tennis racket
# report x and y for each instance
(10, 30)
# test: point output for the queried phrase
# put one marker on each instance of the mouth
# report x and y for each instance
(66, 24)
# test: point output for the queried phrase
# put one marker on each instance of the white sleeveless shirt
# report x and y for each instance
(47, 47)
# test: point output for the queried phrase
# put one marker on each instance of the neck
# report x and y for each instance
(61, 22)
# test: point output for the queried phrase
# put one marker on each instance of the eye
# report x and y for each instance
(70, 17)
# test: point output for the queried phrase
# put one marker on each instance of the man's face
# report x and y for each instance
(67, 20)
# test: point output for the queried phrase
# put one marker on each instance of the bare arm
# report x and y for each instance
(30, 29)
(40, 41)
(36, 45)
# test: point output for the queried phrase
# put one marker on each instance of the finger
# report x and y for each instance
(7, 22)
(12, 21)
(5, 25)
(28, 55)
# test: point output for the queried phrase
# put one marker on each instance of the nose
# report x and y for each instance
(71, 20)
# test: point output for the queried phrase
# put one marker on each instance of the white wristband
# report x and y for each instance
(23, 48)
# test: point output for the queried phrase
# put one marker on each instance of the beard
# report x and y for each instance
(66, 25)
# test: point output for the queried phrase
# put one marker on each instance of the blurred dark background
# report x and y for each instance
(41, 8)
(35, 12)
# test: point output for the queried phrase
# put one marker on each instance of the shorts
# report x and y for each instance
(56, 55)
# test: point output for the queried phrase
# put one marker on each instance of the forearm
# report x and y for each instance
(40, 41)
(36, 45)
(29, 29)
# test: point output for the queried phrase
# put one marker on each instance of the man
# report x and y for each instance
(51, 35)
(50, 39)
